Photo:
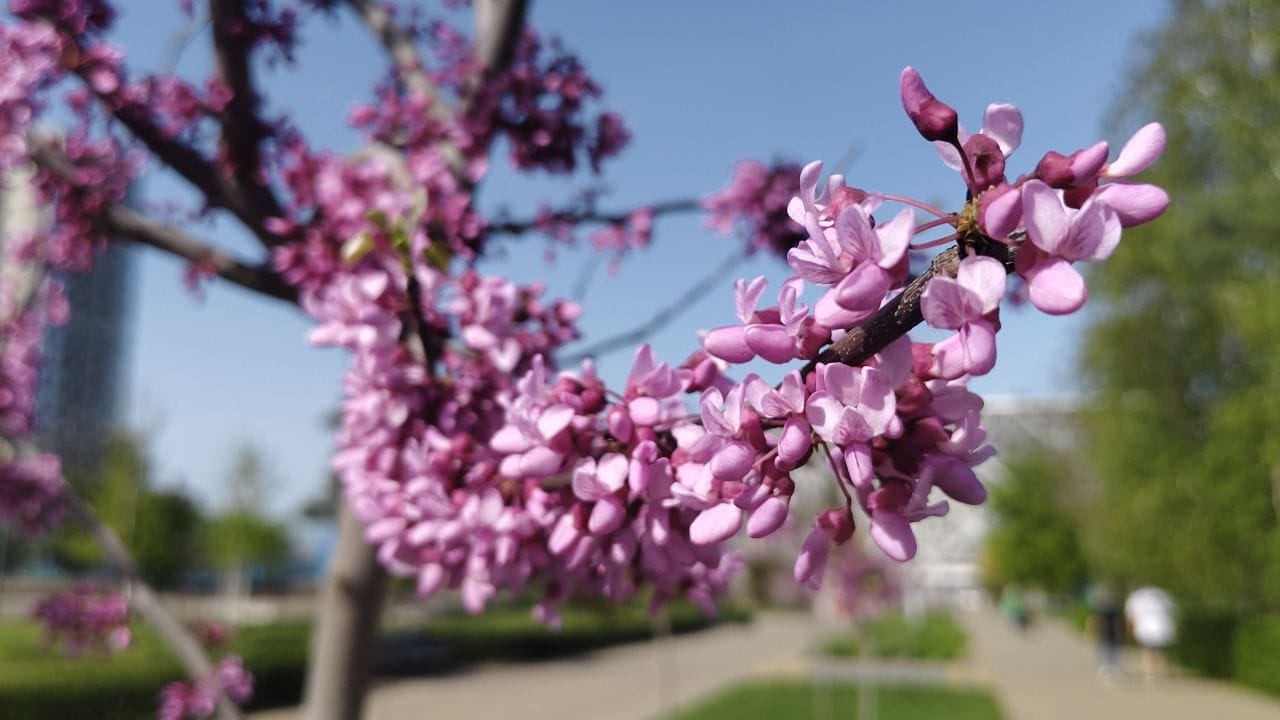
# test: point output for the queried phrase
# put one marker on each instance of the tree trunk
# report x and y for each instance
(345, 627)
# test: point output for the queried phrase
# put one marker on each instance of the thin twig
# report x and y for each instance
(677, 307)
(576, 217)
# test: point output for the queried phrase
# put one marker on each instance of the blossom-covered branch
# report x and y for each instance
(242, 129)
(120, 222)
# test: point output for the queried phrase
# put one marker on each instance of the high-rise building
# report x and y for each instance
(78, 401)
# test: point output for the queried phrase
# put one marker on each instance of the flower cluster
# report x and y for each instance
(756, 201)
(199, 698)
(31, 492)
(84, 619)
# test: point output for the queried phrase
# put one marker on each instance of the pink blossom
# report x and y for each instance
(962, 304)
(1058, 237)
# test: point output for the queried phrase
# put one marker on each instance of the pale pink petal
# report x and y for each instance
(768, 517)
(554, 419)
(1134, 203)
(892, 534)
(985, 277)
(747, 295)
(771, 342)
(794, 443)
(612, 471)
(946, 304)
(857, 459)
(1056, 287)
(829, 314)
(894, 237)
(1095, 232)
(645, 410)
(1044, 215)
(1003, 123)
(809, 176)
(851, 429)
(1000, 211)
(1143, 149)
(732, 461)
(715, 524)
(863, 289)
(540, 461)
(979, 341)
(812, 560)
(606, 516)
(876, 401)
(1087, 163)
(948, 358)
(729, 343)
(855, 236)
(563, 535)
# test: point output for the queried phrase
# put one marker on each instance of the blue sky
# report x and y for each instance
(701, 85)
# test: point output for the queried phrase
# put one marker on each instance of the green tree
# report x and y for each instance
(1184, 432)
(242, 538)
(161, 528)
(1035, 540)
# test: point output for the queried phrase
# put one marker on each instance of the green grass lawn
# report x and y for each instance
(800, 701)
(935, 636)
(38, 683)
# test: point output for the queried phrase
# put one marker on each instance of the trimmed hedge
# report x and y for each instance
(1257, 653)
(1205, 640)
(37, 683)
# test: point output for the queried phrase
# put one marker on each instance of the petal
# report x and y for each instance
(809, 176)
(795, 442)
(1044, 215)
(1056, 287)
(948, 358)
(612, 471)
(540, 461)
(863, 289)
(1088, 162)
(852, 429)
(715, 524)
(1134, 203)
(857, 460)
(606, 516)
(1143, 149)
(979, 341)
(729, 343)
(986, 278)
(1000, 211)
(946, 304)
(771, 342)
(747, 295)
(645, 410)
(554, 419)
(957, 479)
(812, 560)
(892, 533)
(855, 236)
(829, 314)
(1095, 232)
(732, 461)
(1003, 123)
(894, 237)
(767, 518)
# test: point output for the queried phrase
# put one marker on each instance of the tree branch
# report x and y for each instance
(520, 227)
(148, 603)
(242, 130)
(121, 222)
(677, 307)
(499, 24)
(903, 312)
(399, 44)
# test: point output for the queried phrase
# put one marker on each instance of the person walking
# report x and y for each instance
(1106, 624)
(1151, 613)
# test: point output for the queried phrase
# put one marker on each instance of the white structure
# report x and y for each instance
(946, 569)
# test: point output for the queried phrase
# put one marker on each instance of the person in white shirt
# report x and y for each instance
(1151, 614)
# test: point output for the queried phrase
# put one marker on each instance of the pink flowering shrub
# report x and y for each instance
(474, 463)
(85, 619)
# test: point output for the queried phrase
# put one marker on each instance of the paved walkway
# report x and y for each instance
(1048, 673)
(639, 681)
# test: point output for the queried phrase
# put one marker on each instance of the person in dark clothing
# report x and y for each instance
(1107, 626)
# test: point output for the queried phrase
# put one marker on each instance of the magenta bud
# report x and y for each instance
(935, 120)
(986, 159)
(837, 523)
(1055, 170)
